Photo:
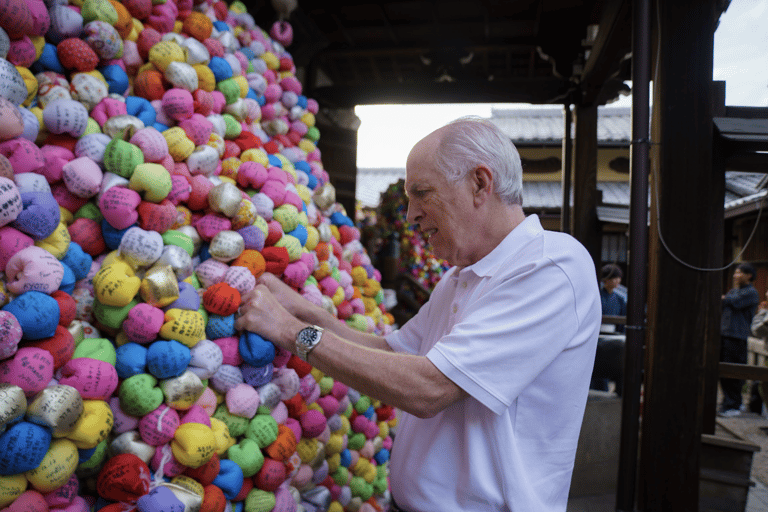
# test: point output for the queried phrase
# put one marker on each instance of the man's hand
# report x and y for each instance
(262, 313)
(288, 298)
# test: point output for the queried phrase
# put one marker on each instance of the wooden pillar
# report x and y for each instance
(684, 302)
(584, 224)
(338, 149)
(565, 212)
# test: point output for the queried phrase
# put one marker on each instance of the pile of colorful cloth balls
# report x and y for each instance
(156, 158)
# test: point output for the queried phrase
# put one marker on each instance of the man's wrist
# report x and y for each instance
(307, 340)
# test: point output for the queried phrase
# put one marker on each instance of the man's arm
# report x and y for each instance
(742, 298)
(313, 314)
(409, 382)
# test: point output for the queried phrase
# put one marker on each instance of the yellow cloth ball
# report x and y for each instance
(165, 52)
(56, 468)
(179, 145)
(189, 483)
(261, 223)
(205, 77)
(184, 326)
(30, 82)
(115, 284)
(193, 444)
(271, 60)
(307, 449)
(11, 487)
(306, 145)
(93, 426)
(57, 243)
(224, 439)
(242, 83)
(257, 155)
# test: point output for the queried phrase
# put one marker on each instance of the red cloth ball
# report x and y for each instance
(221, 299)
(61, 346)
(67, 307)
(271, 475)
(124, 477)
(213, 499)
(276, 259)
(87, 233)
(74, 53)
(158, 217)
(206, 473)
(297, 364)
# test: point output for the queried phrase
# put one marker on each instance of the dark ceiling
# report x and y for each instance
(482, 51)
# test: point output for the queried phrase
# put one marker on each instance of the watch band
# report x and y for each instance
(307, 339)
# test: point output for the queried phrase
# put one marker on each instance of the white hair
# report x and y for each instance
(473, 141)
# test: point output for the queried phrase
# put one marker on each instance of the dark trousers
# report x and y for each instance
(732, 350)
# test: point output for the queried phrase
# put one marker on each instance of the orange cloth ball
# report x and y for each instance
(198, 25)
(252, 260)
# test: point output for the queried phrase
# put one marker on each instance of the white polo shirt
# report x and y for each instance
(517, 331)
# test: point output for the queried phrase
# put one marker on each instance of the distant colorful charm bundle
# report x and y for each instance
(156, 158)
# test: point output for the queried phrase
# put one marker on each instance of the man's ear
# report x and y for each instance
(482, 184)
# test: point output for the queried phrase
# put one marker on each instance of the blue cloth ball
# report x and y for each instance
(112, 236)
(40, 216)
(117, 79)
(220, 326)
(49, 59)
(339, 219)
(68, 281)
(229, 479)
(166, 359)
(141, 108)
(78, 260)
(188, 299)
(301, 233)
(38, 314)
(220, 68)
(274, 161)
(255, 350)
(131, 360)
(23, 446)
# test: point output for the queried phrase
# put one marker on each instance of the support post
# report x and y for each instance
(684, 305)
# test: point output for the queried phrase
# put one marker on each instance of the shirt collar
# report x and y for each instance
(523, 233)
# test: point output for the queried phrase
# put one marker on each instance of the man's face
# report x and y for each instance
(612, 283)
(442, 209)
(740, 278)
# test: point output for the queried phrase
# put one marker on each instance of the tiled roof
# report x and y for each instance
(545, 125)
(740, 187)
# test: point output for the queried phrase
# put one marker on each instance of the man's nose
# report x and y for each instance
(411, 215)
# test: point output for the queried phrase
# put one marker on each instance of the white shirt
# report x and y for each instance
(517, 331)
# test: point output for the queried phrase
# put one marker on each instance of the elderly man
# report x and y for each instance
(492, 374)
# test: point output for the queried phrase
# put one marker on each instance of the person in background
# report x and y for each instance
(613, 303)
(759, 329)
(739, 306)
(492, 374)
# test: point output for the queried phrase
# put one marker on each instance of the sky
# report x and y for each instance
(387, 132)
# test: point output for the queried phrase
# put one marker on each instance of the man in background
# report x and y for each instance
(739, 306)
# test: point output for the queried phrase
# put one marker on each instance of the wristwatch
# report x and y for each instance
(307, 339)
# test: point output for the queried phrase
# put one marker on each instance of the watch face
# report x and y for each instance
(307, 336)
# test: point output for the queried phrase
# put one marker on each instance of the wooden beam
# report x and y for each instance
(612, 43)
(524, 90)
(684, 301)
(744, 371)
